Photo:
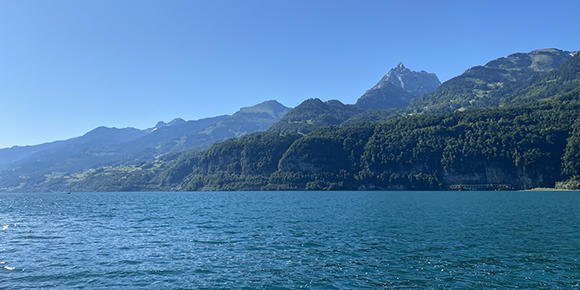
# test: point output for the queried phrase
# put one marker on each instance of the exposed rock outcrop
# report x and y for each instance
(397, 88)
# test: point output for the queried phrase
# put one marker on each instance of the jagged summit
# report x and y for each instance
(397, 88)
(420, 82)
(160, 124)
(174, 122)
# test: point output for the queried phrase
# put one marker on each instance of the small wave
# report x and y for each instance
(4, 227)
(209, 242)
(130, 262)
(32, 237)
(203, 271)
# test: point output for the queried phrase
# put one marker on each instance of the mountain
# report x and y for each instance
(247, 120)
(59, 151)
(561, 80)
(174, 122)
(394, 90)
(128, 152)
(312, 114)
(489, 85)
(168, 131)
(397, 88)
(517, 147)
(16, 153)
(528, 137)
(504, 81)
(97, 149)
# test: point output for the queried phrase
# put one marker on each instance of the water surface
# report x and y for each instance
(290, 240)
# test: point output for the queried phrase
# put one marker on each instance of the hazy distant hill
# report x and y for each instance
(397, 88)
(16, 153)
(102, 155)
(61, 150)
(247, 120)
(103, 147)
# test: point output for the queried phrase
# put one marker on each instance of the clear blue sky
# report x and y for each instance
(67, 67)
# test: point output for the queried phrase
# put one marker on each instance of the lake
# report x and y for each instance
(290, 240)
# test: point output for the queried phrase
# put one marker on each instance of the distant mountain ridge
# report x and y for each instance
(247, 120)
(112, 146)
(174, 122)
(124, 152)
(15, 153)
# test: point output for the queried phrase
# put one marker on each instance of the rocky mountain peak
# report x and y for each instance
(397, 88)
(418, 83)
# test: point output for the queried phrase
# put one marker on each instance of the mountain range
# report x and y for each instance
(29, 165)
(500, 82)
(395, 90)
(510, 123)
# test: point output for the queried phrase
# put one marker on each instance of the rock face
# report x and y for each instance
(490, 173)
(419, 83)
(397, 88)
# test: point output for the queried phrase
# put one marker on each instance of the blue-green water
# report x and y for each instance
(289, 240)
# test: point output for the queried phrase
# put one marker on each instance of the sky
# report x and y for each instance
(67, 67)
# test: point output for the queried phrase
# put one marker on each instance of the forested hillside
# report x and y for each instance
(489, 85)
